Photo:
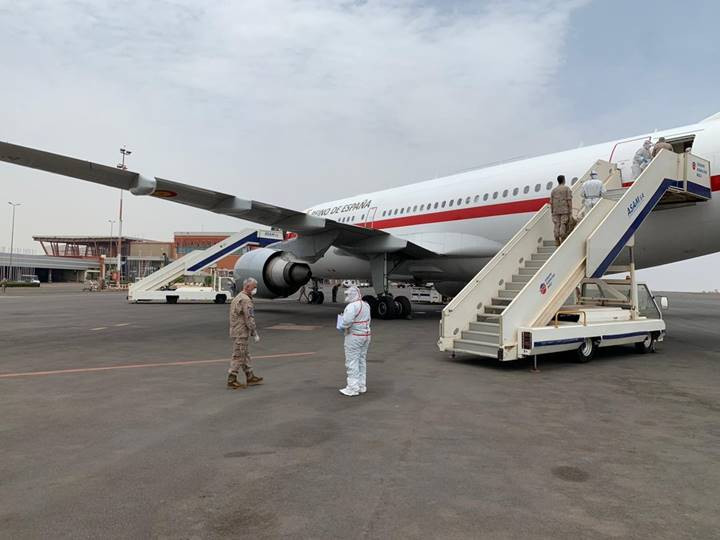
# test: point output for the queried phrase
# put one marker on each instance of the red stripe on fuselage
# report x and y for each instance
(489, 210)
(475, 212)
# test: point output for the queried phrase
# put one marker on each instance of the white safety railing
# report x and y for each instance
(499, 270)
(595, 242)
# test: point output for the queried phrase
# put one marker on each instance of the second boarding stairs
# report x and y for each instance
(198, 260)
(530, 279)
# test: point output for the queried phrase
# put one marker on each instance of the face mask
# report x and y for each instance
(253, 292)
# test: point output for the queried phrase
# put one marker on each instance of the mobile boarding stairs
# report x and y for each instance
(154, 288)
(517, 305)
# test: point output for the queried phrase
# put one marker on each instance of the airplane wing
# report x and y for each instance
(354, 238)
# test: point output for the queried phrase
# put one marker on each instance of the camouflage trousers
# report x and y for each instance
(240, 357)
(560, 222)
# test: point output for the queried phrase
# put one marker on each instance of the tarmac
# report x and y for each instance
(116, 423)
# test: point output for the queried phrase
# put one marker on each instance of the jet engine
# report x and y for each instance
(278, 274)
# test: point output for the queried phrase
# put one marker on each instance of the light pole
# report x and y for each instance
(112, 224)
(12, 237)
(125, 152)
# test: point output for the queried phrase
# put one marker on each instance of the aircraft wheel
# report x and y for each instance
(586, 351)
(647, 345)
(373, 303)
(386, 308)
(405, 307)
(316, 297)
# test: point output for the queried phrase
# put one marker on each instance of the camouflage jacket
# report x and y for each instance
(242, 317)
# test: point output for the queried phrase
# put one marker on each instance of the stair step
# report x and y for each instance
(515, 285)
(476, 347)
(546, 249)
(490, 328)
(534, 264)
(494, 310)
(509, 293)
(540, 256)
(488, 318)
(522, 278)
(484, 337)
(527, 271)
(501, 301)
(548, 243)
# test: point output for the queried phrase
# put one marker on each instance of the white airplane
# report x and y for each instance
(441, 231)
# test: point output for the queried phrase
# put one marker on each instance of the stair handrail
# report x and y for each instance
(464, 307)
(655, 174)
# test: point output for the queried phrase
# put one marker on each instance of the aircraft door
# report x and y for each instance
(370, 218)
(622, 155)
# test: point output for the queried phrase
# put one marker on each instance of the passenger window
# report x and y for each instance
(402, 210)
(467, 200)
(415, 208)
(573, 181)
(384, 213)
(408, 209)
(505, 193)
(436, 205)
(485, 197)
(537, 187)
(477, 198)
(442, 205)
(549, 185)
(515, 192)
(526, 189)
(451, 202)
(495, 195)
(422, 207)
(396, 211)
(459, 202)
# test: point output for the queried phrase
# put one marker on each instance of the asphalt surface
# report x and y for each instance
(627, 446)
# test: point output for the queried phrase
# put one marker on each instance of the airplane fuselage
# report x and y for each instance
(468, 217)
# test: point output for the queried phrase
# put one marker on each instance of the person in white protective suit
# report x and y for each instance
(356, 325)
(642, 157)
(591, 192)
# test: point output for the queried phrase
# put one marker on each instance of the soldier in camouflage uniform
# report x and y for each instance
(561, 209)
(242, 327)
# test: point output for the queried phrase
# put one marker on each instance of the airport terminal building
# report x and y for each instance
(73, 258)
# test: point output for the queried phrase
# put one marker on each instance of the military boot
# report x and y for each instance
(253, 379)
(233, 383)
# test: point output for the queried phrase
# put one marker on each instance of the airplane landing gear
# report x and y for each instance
(404, 307)
(385, 306)
(316, 297)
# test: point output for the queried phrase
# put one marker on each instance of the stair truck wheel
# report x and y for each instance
(647, 345)
(386, 308)
(220, 299)
(586, 351)
(171, 299)
(405, 307)
(373, 303)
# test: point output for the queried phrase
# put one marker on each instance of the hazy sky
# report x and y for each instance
(298, 101)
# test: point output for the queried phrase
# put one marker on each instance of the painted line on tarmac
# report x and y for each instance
(136, 366)
(100, 328)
